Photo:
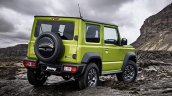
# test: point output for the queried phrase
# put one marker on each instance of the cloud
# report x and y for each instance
(103, 5)
(101, 10)
(11, 39)
(19, 14)
(16, 16)
(5, 26)
(18, 24)
(29, 7)
(16, 36)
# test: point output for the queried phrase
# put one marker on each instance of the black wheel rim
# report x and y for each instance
(129, 73)
(92, 77)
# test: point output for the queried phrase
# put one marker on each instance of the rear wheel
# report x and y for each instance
(36, 77)
(90, 77)
(129, 73)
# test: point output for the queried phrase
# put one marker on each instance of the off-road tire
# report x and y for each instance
(35, 78)
(51, 41)
(83, 80)
(131, 65)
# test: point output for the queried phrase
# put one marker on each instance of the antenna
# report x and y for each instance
(79, 11)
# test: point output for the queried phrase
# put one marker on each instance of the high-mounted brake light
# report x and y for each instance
(72, 69)
(31, 64)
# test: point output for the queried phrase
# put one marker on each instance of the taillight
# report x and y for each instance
(72, 69)
(31, 64)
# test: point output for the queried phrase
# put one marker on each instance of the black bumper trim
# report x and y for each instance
(59, 68)
(80, 68)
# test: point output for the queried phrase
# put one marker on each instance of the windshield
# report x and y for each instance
(64, 29)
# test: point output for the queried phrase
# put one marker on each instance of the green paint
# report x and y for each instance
(112, 55)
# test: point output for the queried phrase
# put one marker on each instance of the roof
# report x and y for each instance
(82, 19)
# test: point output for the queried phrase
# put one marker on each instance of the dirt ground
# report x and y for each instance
(152, 80)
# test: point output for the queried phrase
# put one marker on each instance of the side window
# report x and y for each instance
(92, 33)
(110, 34)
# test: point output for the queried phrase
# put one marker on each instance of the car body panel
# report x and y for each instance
(112, 56)
(69, 45)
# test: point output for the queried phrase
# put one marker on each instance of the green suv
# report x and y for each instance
(77, 48)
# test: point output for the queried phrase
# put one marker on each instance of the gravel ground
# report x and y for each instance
(152, 80)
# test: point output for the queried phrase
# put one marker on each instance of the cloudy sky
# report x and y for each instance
(16, 16)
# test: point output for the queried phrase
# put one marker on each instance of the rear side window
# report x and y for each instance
(64, 29)
(92, 33)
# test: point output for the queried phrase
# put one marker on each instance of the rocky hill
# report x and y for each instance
(156, 32)
(14, 52)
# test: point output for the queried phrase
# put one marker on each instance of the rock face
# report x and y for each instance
(15, 52)
(148, 58)
(156, 32)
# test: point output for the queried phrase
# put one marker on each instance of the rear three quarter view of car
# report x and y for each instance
(77, 48)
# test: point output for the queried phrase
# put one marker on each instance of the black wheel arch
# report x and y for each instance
(92, 57)
(128, 56)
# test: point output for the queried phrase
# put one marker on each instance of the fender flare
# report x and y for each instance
(92, 56)
(128, 56)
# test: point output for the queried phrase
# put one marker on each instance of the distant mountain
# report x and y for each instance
(156, 32)
(14, 52)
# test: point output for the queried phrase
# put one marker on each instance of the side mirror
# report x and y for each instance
(124, 41)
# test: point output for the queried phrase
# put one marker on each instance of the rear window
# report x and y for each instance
(64, 29)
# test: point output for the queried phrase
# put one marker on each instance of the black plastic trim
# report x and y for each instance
(80, 68)
(60, 65)
(110, 73)
(127, 57)
(90, 55)
(76, 37)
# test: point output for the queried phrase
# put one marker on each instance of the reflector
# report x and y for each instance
(28, 63)
(72, 69)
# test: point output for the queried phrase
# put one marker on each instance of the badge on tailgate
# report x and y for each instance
(51, 68)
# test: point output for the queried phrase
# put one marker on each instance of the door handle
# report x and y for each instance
(106, 49)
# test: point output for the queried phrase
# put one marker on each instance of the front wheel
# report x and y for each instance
(36, 77)
(90, 77)
(129, 73)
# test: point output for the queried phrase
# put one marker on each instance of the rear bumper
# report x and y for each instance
(59, 68)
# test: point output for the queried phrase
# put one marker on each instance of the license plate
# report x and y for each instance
(50, 68)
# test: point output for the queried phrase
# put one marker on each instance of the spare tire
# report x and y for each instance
(48, 47)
